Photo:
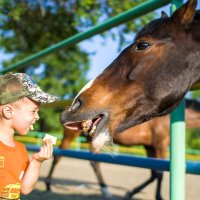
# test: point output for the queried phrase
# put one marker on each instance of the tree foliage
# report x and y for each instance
(28, 26)
(193, 139)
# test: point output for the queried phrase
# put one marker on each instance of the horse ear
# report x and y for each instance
(185, 14)
(164, 14)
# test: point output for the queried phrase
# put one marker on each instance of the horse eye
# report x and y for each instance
(141, 46)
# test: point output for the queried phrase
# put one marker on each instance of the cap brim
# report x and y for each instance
(42, 97)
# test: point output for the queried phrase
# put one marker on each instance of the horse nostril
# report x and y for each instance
(75, 105)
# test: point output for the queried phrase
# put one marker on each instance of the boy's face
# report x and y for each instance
(25, 114)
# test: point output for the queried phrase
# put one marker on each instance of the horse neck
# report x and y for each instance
(192, 118)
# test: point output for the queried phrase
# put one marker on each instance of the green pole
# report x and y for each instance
(177, 144)
(133, 13)
(177, 153)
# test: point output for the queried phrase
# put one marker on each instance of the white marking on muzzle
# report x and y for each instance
(88, 85)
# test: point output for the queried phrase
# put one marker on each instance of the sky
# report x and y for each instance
(105, 51)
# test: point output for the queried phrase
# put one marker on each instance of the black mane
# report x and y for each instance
(197, 15)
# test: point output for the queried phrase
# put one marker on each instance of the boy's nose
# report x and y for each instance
(37, 116)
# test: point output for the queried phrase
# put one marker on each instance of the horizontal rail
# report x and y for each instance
(135, 12)
(150, 163)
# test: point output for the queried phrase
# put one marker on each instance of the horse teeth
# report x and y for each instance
(85, 129)
(91, 133)
(85, 125)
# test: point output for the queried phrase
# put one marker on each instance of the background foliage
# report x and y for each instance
(193, 135)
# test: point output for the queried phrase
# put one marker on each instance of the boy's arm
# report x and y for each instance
(32, 173)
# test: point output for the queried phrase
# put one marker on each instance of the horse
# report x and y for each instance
(148, 79)
(154, 135)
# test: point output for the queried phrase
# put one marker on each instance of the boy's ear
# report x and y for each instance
(7, 111)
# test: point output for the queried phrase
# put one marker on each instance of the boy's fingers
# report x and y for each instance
(48, 148)
(45, 152)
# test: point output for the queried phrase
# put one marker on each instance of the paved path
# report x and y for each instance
(74, 180)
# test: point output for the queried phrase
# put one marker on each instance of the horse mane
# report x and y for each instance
(197, 15)
(192, 104)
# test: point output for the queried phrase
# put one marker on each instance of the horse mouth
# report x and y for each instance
(92, 125)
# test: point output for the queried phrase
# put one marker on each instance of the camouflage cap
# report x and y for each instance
(16, 86)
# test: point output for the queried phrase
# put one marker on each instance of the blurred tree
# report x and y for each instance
(193, 135)
(193, 139)
(195, 95)
(28, 26)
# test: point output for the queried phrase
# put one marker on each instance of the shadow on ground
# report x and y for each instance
(41, 195)
(70, 190)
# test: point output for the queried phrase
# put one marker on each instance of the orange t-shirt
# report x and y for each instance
(13, 163)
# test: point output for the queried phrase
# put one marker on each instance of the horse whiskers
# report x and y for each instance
(109, 145)
(109, 150)
(101, 139)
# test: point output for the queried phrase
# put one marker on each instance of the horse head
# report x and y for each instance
(148, 79)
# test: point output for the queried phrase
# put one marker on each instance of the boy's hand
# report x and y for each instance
(45, 152)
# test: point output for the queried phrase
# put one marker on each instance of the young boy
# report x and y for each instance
(20, 98)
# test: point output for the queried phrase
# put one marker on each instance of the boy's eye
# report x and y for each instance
(34, 111)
